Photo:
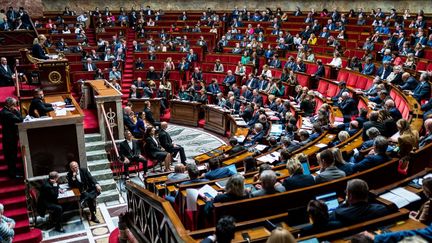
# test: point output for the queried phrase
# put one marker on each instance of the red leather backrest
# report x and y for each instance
(361, 82)
(352, 80)
(322, 87)
(303, 80)
(343, 75)
(332, 90)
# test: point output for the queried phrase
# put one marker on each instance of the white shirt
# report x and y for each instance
(130, 143)
(90, 68)
(78, 176)
(157, 144)
(336, 62)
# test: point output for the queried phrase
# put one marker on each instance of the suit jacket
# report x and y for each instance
(229, 79)
(127, 152)
(137, 48)
(425, 233)
(8, 120)
(368, 69)
(383, 73)
(422, 91)
(320, 71)
(88, 182)
(348, 107)
(166, 141)
(359, 212)
(214, 89)
(85, 67)
(368, 162)
(395, 113)
(38, 52)
(410, 84)
(48, 194)
(329, 174)
(298, 181)
(235, 106)
(369, 124)
(257, 100)
(152, 147)
(41, 107)
(251, 83)
(425, 141)
(5, 76)
(149, 116)
(236, 149)
(247, 95)
(257, 138)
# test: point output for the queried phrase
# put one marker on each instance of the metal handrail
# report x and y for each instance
(110, 131)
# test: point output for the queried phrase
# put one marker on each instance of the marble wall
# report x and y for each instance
(344, 5)
(34, 7)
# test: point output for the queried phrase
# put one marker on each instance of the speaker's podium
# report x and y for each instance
(49, 143)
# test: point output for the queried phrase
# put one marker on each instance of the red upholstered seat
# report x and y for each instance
(343, 75)
(265, 99)
(276, 73)
(352, 80)
(303, 79)
(361, 82)
(322, 87)
(201, 123)
(332, 90)
(311, 68)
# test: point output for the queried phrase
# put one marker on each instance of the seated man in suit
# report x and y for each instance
(269, 184)
(47, 200)
(130, 152)
(256, 135)
(373, 122)
(229, 80)
(168, 145)
(356, 207)
(409, 82)
(233, 105)
(217, 172)
(235, 147)
(376, 157)
(6, 75)
(89, 66)
(342, 89)
(38, 107)
(328, 171)
(423, 89)
(389, 105)
(88, 186)
(427, 138)
(154, 149)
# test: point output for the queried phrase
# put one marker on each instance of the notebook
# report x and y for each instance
(232, 168)
(330, 200)
(221, 183)
(306, 168)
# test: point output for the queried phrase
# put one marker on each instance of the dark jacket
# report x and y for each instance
(5, 76)
(48, 194)
(88, 182)
(38, 52)
(166, 141)
(8, 120)
(298, 181)
(41, 107)
(152, 148)
(127, 152)
(359, 212)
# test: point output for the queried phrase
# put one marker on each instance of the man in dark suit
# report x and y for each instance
(47, 200)
(427, 109)
(373, 122)
(427, 138)
(257, 98)
(233, 105)
(87, 185)
(256, 135)
(423, 89)
(89, 66)
(246, 93)
(252, 82)
(168, 145)
(389, 105)
(356, 208)
(410, 83)
(149, 114)
(320, 72)
(342, 89)
(9, 118)
(235, 147)
(6, 75)
(371, 160)
(38, 107)
(229, 80)
(130, 152)
(348, 106)
(384, 71)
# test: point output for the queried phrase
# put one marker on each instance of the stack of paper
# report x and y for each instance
(61, 112)
(260, 147)
(207, 191)
(68, 193)
(269, 158)
(240, 138)
(400, 196)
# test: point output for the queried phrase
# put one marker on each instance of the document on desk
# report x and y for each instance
(61, 112)
(260, 147)
(68, 193)
(321, 145)
(207, 191)
(400, 196)
(58, 103)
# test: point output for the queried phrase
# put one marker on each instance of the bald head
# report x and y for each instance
(428, 125)
(164, 125)
(405, 76)
(74, 166)
(389, 104)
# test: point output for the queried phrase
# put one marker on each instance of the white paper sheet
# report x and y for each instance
(191, 199)
(61, 112)
(68, 193)
(321, 145)
(260, 147)
(409, 196)
(207, 191)
(399, 201)
(58, 103)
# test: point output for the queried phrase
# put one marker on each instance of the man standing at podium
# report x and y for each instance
(168, 145)
(9, 117)
(38, 107)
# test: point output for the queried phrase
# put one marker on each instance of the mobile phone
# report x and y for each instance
(246, 236)
(269, 225)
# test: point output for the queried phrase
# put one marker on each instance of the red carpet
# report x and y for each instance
(91, 124)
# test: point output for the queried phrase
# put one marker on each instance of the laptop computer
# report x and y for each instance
(232, 168)
(330, 199)
(306, 168)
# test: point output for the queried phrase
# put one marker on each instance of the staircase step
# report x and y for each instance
(96, 155)
(108, 185)
(95, 165)
(14, 202)
(21, 226)
(12, 190)
(34, 236)
(108, 196)
(92, 137)
(97, 145)
(102, 174)
(17, 214)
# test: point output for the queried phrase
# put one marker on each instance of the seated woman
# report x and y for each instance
(410, 62)
(408, 139)
(319, 219)
(277, 89)
(139, 128)
(234, 190)
(297, 178)
(240, 69)
(154, 149)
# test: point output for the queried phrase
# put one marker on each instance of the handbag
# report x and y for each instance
(403, 165)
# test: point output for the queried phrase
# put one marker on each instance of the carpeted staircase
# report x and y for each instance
(12, 196)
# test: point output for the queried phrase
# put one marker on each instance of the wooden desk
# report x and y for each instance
(72, 199)
(155, 104)
(50, 143)
(216, 119)
(202, 158)
(237, 125)
(105, 94)
(184, 112)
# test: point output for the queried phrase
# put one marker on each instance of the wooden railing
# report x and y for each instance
(151, 218)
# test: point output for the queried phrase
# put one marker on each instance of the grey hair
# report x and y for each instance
(235, 185)
(373, 132)
(268, 179)
(10, 101)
